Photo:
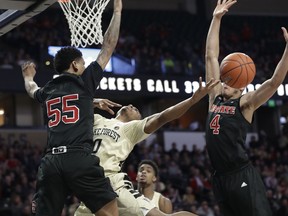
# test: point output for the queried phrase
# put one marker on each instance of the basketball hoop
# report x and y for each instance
(84, 19)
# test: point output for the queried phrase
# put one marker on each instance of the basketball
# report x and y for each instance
(237, 70)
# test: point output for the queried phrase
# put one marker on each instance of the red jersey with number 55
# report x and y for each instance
(226, 132)
(68, 103)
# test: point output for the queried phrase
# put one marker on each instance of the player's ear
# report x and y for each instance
(154, 179)
(74, 65)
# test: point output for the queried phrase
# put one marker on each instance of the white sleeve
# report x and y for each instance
(97, 118)
(134, 131)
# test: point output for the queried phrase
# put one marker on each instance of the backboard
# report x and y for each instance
(15, 12)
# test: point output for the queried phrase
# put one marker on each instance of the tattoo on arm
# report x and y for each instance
(110, 40)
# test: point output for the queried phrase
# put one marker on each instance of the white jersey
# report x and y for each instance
(114, 140)
(130, 202)
(155, 199)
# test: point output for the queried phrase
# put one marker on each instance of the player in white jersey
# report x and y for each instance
(115, 138)
(147, 177)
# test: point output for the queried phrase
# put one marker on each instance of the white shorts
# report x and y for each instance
(130, 202)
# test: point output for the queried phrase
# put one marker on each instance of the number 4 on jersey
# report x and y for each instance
(214, 124)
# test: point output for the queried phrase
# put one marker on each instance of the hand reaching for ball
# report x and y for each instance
(223, 7)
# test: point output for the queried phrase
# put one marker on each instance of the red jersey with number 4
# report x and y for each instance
(226, 132)
(68, 103)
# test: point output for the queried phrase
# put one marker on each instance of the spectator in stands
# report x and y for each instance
(205, 210)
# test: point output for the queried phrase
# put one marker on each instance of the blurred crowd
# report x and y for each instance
(156, 42)
(184, 174)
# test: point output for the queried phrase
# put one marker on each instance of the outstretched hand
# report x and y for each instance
(28, 70)
(105, 104)
(285, 34)
(204, 90)
(223, 7)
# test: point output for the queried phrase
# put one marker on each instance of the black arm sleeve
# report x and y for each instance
(92, 77)
(37, 95)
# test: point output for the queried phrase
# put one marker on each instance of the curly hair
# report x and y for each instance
(152, 164)
(64, 57)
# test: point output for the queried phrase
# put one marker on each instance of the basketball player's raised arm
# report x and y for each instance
(212, 46)
(157, 120)
(111, 36)
(28, 72)
(270, 86)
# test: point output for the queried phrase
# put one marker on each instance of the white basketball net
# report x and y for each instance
(84, 19)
